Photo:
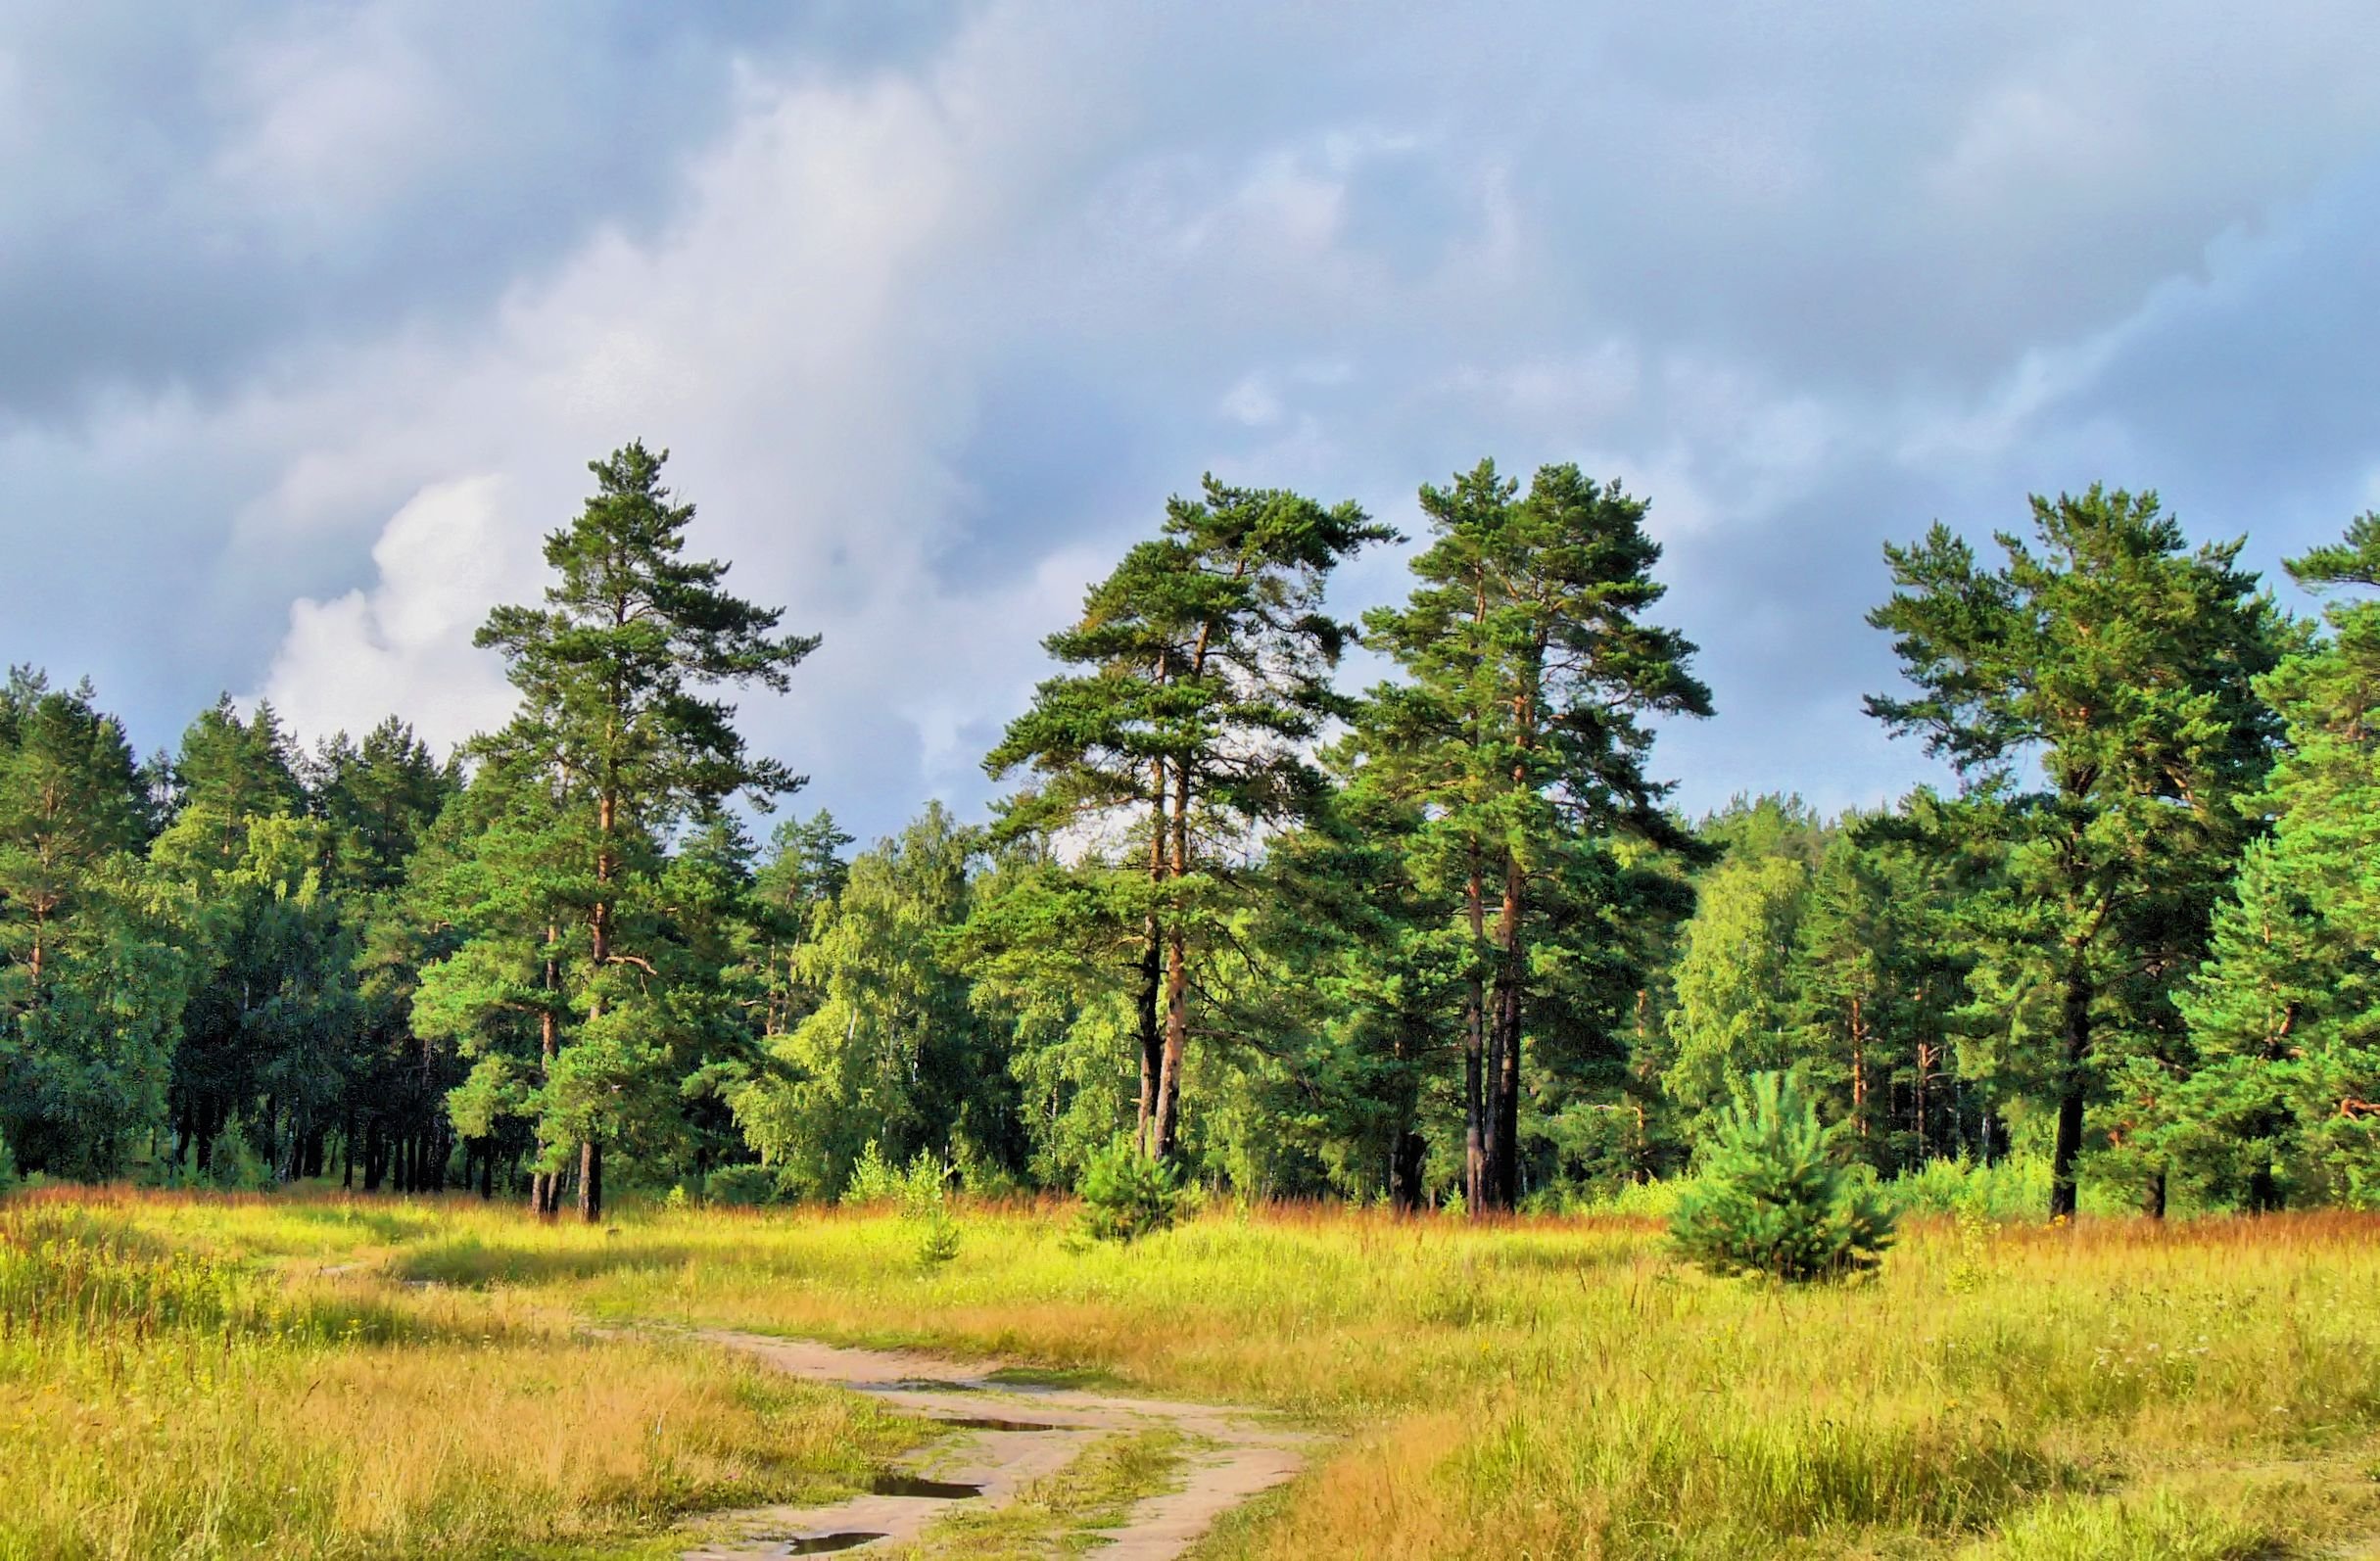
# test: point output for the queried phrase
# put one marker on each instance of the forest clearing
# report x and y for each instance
(986, 778)
(315, 1375)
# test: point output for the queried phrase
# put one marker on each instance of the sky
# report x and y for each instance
(313, 315)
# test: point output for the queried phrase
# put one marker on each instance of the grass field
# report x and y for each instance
(196, 1376)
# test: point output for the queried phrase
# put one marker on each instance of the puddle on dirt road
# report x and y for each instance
(910, 1484)
(987, 1423)
(920, 1385)
(827, 1543)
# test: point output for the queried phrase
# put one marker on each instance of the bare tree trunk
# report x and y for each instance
(1178, 966)
(1474, 1049)
(1177, 1034)
(1859, 1072)
(1504, 1142)
(2076, 1047)
(1926, 1053)
(545, 1198)
(1152, 978)
(591, 1181)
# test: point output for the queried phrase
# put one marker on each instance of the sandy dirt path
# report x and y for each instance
(1002, 1437)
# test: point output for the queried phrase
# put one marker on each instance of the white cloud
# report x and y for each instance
(446, 558)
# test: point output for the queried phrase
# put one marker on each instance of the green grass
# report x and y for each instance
(1060, 1514)
(1547, 1387)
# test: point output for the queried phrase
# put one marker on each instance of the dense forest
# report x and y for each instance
(1440, 941)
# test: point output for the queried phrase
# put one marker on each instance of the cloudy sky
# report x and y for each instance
(311, 315)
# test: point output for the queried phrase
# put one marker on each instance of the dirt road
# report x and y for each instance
(1004, 1436)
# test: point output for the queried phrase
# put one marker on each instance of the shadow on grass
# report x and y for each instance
(471, 1264)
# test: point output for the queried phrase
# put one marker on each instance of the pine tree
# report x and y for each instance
(1773, 1196)
(272, 989)
(378, 802)
(1520, 735)
(2122, 665)
(90, 987)
(1879, 981)
(1205, 664)
(2286, 1011)
(623, 730)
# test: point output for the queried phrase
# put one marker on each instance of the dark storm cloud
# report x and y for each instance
(193, 189)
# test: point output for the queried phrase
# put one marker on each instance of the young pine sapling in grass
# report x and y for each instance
(1773, 1196)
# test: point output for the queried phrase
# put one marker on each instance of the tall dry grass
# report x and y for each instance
(1551, 1388)
(162, 1400)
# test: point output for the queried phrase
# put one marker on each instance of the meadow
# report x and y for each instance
(194, 1375)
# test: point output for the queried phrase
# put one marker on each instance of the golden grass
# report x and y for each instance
(155, 1402)
(1551, 1388)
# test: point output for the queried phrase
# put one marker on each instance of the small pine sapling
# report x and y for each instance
(1773, 1195)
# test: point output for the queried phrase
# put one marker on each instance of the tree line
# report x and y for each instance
(1441, 940)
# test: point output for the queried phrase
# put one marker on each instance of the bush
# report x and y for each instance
(2015, 1188)
(742, 1186)
(874, 1179)
(1772, 1196)
(925, 1208)
(1126, 1195)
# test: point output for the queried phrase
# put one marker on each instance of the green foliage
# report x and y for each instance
(874, 1179)
(1519, 744)
(925, 1207)
(740, 1186)
(1735, 980)
(2285, 1104)
(1771, 1195)
(2097, 694)
(622, 739)
(895, 1049)
(1127, 1195)
(922, 1192)
(1198, 681)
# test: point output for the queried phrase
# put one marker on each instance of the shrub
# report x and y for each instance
(924, 1194)
(740, 1185)
(1772, 1196)
(1126, 1195)
(874, 1179)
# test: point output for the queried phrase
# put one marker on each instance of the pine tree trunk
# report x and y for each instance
(1859, 1074)
(591, 1181)
(1153, 979)
(1503, 1159)
(1405, 1163)
(1474, 1050)
(1177, 1033)
(545, 1197)
(2153, 1198)
(2076, 1045)
(1920, 1093)
(1178, 966)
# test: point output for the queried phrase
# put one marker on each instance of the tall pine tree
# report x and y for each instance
(1521, 736)
(623, 736)
(2096, 692)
